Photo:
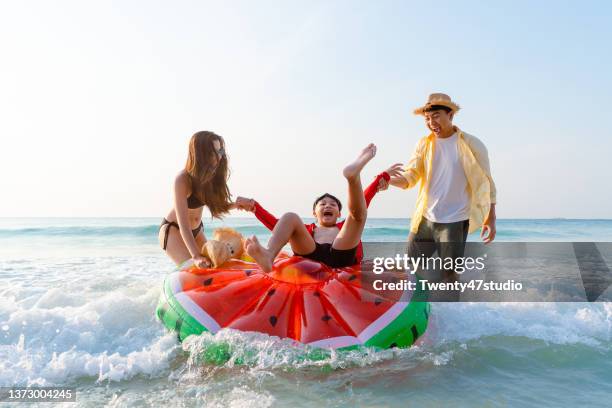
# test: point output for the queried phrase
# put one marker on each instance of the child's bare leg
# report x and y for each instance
(350, 234)
(289, 228)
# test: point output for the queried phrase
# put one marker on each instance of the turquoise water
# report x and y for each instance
(77, 301)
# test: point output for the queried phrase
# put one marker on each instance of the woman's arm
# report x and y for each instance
(181, 191)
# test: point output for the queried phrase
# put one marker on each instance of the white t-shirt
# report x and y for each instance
(447, 198)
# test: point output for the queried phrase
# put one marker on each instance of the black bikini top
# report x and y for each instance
(193, 202)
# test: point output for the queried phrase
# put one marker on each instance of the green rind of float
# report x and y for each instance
(174, 316)
(399, 332)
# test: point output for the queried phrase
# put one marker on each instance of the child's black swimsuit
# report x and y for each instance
(335, 258)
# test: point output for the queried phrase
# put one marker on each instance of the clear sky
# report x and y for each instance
(98, 99)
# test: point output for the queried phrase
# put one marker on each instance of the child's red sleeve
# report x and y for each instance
(372, 189)
(265, 217)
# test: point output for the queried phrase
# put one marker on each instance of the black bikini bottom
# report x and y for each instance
(335, 258)
(171, 224)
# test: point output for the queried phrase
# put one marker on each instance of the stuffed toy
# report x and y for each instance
(227, 243)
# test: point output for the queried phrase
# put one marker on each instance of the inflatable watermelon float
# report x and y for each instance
(300, 299)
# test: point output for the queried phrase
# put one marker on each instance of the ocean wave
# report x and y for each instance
(230, 348)
(54, 231)
(376, 229)
(115, 338)
(588, 324)
(109, 231)
(152, 230)
(61, 335)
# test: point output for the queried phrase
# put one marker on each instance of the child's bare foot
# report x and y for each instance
(261, 255)
(352, 170)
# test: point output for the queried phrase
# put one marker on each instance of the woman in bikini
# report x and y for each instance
(203, 182)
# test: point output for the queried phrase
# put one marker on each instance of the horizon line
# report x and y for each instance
(307, 217)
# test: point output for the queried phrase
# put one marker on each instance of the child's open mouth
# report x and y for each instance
(328, 213)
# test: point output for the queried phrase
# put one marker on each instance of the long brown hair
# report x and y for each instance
(208, 182)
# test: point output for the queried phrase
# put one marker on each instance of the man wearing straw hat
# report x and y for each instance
(456, 193)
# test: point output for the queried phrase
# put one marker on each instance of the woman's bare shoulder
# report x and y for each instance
(182, 176)
(183, 181)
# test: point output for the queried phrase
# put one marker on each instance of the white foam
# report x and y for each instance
(100, 327)
(239, 397)
(260, 352)
(559, 323)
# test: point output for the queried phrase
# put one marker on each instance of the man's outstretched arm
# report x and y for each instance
(413, 171)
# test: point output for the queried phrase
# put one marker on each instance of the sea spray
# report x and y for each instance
(230, 348)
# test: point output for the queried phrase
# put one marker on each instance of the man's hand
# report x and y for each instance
(488, 227)
(246, 204)
(394, 171)
(488, 232)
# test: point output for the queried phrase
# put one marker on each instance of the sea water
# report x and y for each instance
(77, 303)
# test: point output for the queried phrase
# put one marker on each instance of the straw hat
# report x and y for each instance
(437, 99)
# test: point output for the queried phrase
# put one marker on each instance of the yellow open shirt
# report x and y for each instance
(475, 160)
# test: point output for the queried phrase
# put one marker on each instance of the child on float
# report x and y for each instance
(334, 243)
